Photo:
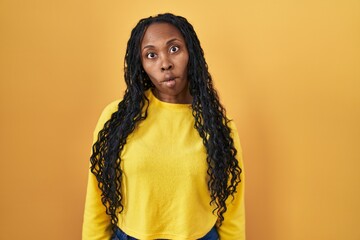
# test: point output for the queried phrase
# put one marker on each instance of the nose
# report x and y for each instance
(166, 64)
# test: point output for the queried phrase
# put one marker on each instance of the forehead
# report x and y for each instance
(160, 32)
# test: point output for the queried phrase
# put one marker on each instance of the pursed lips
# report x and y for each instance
(169, 81)
(168, 78)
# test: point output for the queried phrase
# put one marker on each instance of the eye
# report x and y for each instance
(150, 55)
(174, 49)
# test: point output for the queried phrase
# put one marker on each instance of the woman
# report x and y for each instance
(165, 163)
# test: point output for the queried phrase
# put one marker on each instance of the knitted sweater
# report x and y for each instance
(164, 184)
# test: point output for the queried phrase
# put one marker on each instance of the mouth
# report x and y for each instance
(169, 81)
(169, 78)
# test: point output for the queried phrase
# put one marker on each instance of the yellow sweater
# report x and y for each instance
(164, 182)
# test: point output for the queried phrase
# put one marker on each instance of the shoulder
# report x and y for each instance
(235, 134)
(106, 115)
(232, 125)
(110, 108)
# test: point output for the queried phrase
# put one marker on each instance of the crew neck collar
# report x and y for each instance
(152, 98)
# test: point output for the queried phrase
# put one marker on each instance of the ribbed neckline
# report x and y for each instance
(176, 106)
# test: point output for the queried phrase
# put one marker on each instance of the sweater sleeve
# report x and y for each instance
(233, 226)
(96, 223)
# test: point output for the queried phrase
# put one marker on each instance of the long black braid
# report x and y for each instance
(210, 121)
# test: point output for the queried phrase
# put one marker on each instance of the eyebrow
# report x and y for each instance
(167, 43)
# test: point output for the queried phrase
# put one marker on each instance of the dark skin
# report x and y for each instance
(165, 57)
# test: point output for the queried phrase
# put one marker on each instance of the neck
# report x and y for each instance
(181, 98)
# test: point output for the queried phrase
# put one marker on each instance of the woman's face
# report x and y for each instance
(165, 57)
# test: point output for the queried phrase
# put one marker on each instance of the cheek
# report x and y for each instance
(185, 64)
(148, 69)
(186, 59)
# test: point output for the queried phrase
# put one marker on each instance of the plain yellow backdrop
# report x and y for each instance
(287, 71)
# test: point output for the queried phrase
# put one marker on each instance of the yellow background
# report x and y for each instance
(287, 71)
